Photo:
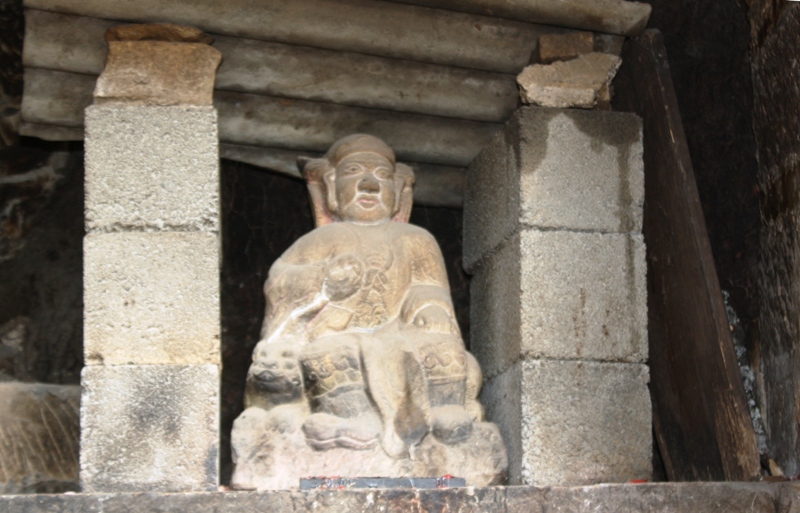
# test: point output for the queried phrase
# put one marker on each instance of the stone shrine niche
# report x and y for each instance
(361, 369)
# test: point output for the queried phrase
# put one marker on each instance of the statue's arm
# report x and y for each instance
(294, 294)
(428, 302)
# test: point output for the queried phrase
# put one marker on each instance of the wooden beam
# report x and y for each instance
(371, 27)
(612, 16)
(71, 43)
(59, 98)
(701, 419)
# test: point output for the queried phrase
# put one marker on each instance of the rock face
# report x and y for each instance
(39, 434)
(361, 369)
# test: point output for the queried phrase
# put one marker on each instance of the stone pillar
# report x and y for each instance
(150, 405)
(552, 236)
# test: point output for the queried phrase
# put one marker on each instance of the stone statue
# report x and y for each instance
(361, 365)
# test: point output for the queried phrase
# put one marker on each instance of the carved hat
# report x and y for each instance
(358, 143)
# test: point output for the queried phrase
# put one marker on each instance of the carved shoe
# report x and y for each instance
(324, 431)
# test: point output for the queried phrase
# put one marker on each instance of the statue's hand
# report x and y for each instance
(435, 319)
(343, 278)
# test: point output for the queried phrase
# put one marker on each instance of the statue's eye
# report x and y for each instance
(351, 170)
(383, 173)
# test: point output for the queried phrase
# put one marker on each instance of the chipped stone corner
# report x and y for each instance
(583, 82)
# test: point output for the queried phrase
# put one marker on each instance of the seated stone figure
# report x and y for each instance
(360, 349)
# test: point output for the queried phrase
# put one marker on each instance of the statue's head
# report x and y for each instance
(358, 180)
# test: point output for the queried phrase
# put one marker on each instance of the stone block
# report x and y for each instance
(664, 497)
(573, 83)
(150, 428)
(559, 294)
(555, 169)
(584, 296)
(580, 422)
(158, 72)
(563, 47)
(501, 397)
(151, 298)
(151, 168)
(495, 314)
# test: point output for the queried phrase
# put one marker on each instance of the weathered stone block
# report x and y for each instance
(151, 168)
(562, 47)
(559, 294)
(501, 397)
(495, 314)
(555, 169)
(564, 84)
(584, 295)
(151, 298)
(580, 422)
(158, 72)
(150, 428)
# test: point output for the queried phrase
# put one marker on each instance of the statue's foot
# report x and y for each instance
(393, 445)
(451, 424)
(324, 431)
(410, 423)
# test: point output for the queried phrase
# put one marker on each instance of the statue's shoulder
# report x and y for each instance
(407, 228)
(413, 232)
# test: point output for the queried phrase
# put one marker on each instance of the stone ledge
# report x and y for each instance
(661, 497)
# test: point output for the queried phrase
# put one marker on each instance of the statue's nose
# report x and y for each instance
(369, 184)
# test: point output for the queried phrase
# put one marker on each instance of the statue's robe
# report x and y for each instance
(399, 268)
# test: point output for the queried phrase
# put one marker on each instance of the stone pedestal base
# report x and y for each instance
(270, 453)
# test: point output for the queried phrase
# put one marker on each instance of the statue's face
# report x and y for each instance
(365, 188)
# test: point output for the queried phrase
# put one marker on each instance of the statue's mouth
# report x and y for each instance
(368, 202)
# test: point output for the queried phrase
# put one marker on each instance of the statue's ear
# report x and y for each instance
(329, 178)
(314, 171)
(404, 192)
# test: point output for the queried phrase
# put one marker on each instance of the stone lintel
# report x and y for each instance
(150, 428)
(151, 298)
(158, 65)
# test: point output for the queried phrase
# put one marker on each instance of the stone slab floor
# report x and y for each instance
(664, 498)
